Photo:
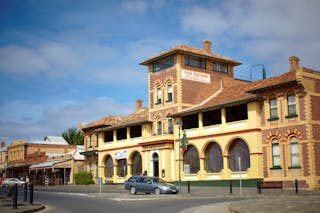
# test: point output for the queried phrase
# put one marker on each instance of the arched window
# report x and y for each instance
(291, 101)
(169, 92)
(239, 151)
(294, 152)
(159, 127)
(213, 158)
(273, 107)
(136, 166)
(91, 141)
(108, 169)
(122, 167)
(276, 162)
(159, 95)
(191, 159)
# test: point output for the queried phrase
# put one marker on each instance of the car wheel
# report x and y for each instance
(133, 190)
(157, 191)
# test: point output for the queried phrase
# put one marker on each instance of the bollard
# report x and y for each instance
(296, 185)
(31, 193)
(15, 197)
(258, 187)
(188, 187)
(25, 194)
(230, 186)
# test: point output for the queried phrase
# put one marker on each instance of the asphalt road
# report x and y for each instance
(67, 202)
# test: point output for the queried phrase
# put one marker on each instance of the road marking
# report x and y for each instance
(131, 199)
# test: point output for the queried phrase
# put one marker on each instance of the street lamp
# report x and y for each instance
(179, 123)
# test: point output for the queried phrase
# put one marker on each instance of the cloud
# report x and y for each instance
(134, 5)
(56, 119)
(148, 47)
(52, 59)
(21, 60)
(267, 31)
(204, 20)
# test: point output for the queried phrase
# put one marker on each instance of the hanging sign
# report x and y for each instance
(196, 76)
(121, 154)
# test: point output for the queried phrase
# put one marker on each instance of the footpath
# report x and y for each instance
(270, 201)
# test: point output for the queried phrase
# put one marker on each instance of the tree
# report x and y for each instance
(73, 136)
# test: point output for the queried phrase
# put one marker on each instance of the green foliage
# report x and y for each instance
(83, 178)
(184, 141)
(73, 136)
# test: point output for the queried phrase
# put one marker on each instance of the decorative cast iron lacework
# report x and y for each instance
(136, 165)
(108, 170)
(213, 160)
(191, 158)
(238, 149)
(122, 168)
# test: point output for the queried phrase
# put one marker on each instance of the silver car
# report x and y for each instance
(149, 185)
(11, 181)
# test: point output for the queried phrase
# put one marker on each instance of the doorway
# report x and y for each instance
(155, 159)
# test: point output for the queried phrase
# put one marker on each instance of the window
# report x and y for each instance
(273, 108)
(170, 125)
(135, 131)
(275, 153)
(213, 158)
(291, 99)
(190, 121)
(212, 117)
(159, 95)
(136, 166)
(191, 159)
(108, 136)
(122, 168)
(91, 141)
(163, 64)
(97, 140)
(220, 67)
(194, 61)
(122, 134)
(159, 127)
(169, 90)
(294, 152)
(237, 113)
(239, 151)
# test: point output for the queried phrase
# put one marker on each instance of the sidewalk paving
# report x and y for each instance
(271, 200)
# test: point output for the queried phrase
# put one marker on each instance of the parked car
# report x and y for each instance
(149, 185)
(11, 181)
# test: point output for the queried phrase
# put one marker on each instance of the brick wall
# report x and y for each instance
(316, 148)
(315, 103)
(305, 159)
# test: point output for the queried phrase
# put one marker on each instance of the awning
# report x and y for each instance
(45, 164)
(91, 152)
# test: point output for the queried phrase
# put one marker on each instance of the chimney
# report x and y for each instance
(207, 46)
(294, 63)
(139, 104)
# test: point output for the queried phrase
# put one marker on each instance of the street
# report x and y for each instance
(82, 202)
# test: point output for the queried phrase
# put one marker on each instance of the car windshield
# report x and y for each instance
(158, 180)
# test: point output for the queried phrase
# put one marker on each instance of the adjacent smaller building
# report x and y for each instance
(51, 161)
(3, 159)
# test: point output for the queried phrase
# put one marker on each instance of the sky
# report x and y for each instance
(63, 62)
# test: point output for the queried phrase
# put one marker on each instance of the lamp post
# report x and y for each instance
(179, 123)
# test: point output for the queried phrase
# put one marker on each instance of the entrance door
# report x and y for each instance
(155, 159)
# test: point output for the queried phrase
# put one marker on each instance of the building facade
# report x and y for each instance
(23, 155)
(265, 129)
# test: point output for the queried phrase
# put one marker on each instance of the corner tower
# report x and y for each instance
(183, 77)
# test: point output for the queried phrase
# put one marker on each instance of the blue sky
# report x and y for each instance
(63, 62)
